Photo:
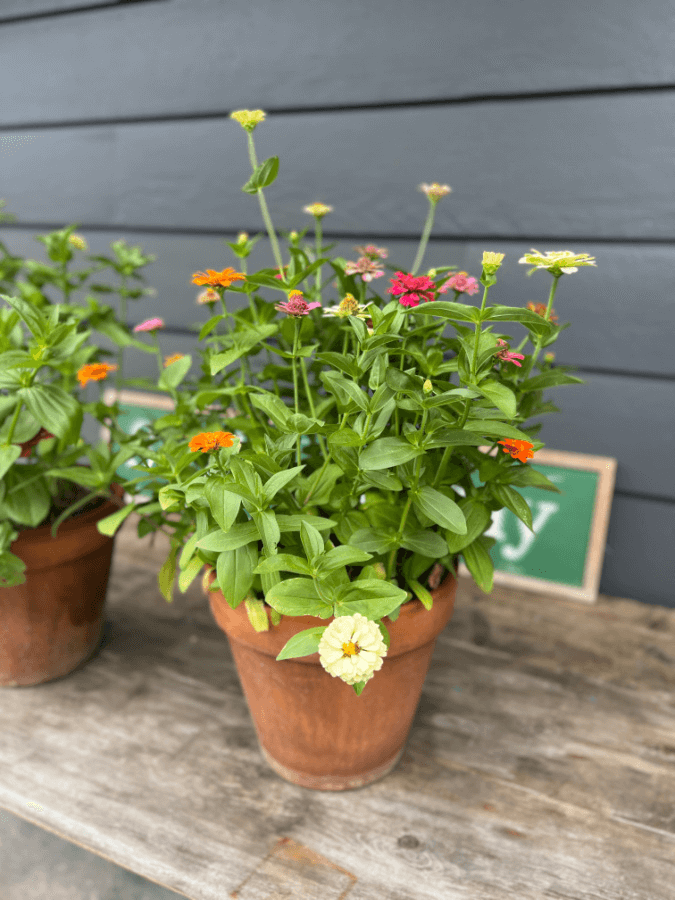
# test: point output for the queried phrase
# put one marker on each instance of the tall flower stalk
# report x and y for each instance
(434, 193)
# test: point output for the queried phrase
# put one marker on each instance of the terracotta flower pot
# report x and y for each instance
(312, 728)
(53, 622)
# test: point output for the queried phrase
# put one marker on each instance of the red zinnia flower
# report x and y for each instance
(411, 289)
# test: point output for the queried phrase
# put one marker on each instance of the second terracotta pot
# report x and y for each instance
(53, 622)
(312, 728)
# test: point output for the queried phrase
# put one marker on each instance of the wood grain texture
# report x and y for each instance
(540, 763)
(518, 168)
(346, 53)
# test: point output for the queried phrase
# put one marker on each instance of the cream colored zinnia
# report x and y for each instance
(317, 209)
(248, 118)
(348, 307)
(352, 648)
(557, 260)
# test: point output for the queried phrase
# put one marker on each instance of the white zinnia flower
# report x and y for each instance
(352, 648)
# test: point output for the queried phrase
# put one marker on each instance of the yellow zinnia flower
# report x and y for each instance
(248, 118)
(557, 261)
(317, 209)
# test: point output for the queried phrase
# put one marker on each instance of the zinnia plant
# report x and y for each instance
(43, 370)
(332, 492)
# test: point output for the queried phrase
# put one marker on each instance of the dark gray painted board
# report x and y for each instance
(588, 167)
(622, 311)
(192, 56)
(14, 8)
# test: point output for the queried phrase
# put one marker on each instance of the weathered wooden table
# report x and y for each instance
(541, 762)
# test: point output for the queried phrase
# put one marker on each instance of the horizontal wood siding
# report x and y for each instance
(553, 127)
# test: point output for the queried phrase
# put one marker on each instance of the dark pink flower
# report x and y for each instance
(411, 289)
(507, 356)
(461, 282)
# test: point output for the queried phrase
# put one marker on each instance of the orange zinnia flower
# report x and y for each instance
(93, 372)
(540, 309)
(206, 441)
(521, 450)
(224, 278)
(172, 359)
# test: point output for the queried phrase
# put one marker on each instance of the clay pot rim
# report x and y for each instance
(74, 523)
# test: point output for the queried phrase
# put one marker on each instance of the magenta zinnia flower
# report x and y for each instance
(508, 356)
(461, 282)
(411, 289)
(296, 305)
(150, 325)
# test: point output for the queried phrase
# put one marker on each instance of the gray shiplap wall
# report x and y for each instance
(553, 126)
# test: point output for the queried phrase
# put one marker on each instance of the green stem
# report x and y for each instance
(265, 212)
(296, 336)
(474, 358)
(318, 256)
(406, 510)
(13, 425)
(425, 237)
(311, 403)
(537, 344)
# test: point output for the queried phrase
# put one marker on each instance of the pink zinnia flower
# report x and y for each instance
(507, 356)
(461, 282)
(365, 267)
(412, 288)
(296, 305)
(150, 325)
(373, 252)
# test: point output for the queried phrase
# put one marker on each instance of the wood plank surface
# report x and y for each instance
(204, 56)
(540, 764)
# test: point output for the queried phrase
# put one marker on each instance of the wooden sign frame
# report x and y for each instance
(606, 467)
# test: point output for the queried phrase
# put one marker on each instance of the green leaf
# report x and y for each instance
(283, 562)
(8, 456)
(446, 309)
(235, 572)
(514, 501)
(524, 476)
(440, 509)
(263, 176)
(189, 573)
(54, 409)
(495, 428)
(421, 593)
(344, 362)
(478, 519)
(372, 598)
(452, 437)
(27, 504)
(167, 573)
(427, 543)
(172, 375)
(479, 563)
(372, 540)
(312, 542)
(224, 504)
(279, 481)
(548, 379)
(387, 452)
(240, 534)
(344, 555)
(304, 643)
(111, 523)
(344, 390)
(274, 406)
(292, 523)
(298, 597)
(78, 474)
(31, 315)
(267, 524)
(502, 397)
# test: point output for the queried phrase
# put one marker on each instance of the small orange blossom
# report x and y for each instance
(93, 372)
(224, 278)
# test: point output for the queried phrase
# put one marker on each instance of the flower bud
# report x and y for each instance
(492, 262)
(380, 571)
(318, 210)
(549, 357)
(427, 387)
(243, 237)
(76, 241)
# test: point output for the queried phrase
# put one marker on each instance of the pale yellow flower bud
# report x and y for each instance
(248, 118)
(78, 242)
(549, 357)
(492, 259)
(293, 235)
(317, 209)
(243, 237)
(427, 387)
